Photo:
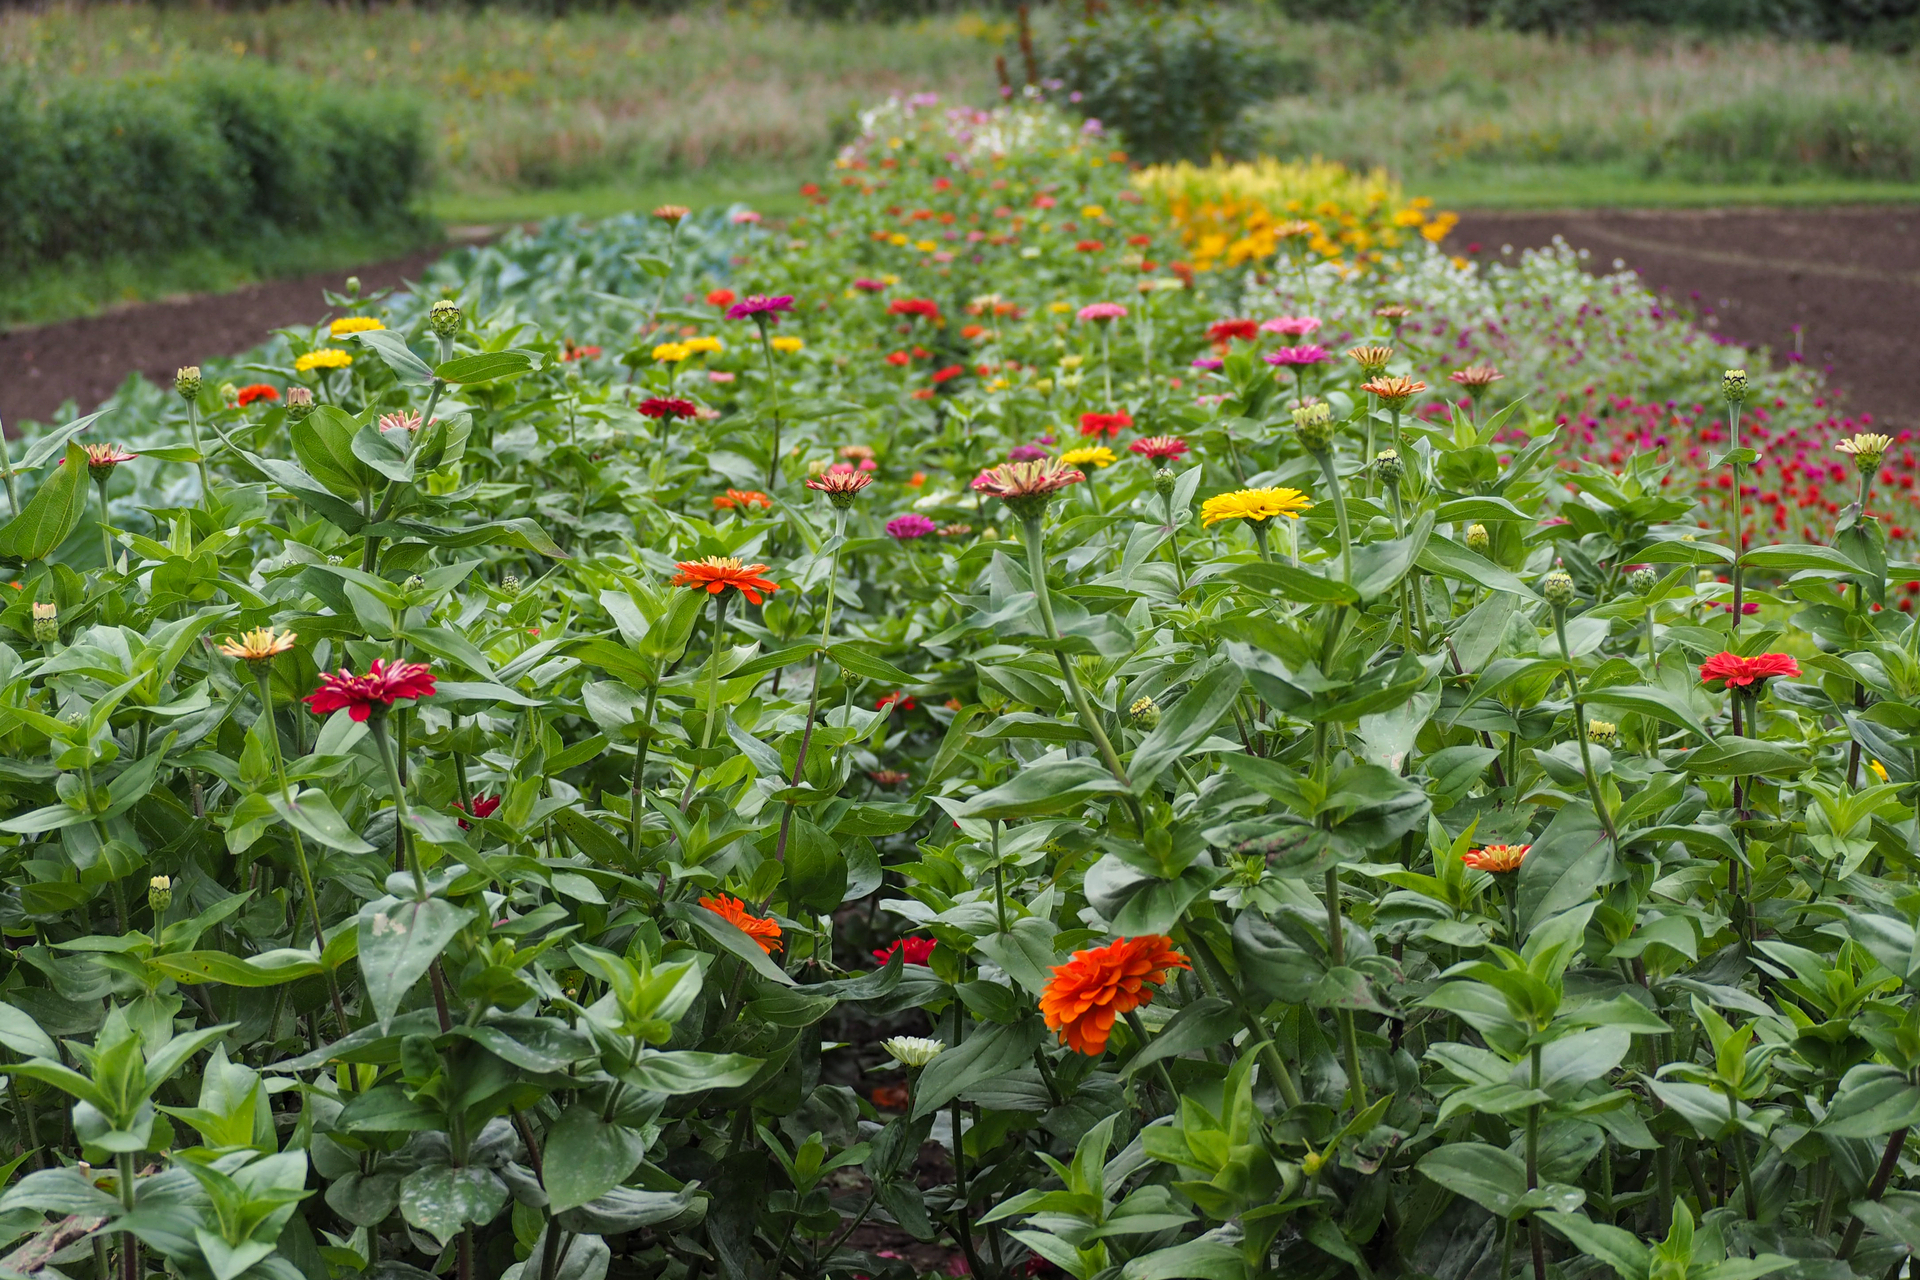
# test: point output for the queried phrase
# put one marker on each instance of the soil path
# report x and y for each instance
(1840, 285)
(86, 360)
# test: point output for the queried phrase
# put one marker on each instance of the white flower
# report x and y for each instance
(913, 1051)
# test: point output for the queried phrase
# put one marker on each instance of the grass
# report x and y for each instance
(772, 190)
(1597, 186)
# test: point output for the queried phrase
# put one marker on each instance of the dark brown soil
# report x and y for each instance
(1842, 286)
(86, 360)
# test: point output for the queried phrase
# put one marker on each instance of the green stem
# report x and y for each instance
(1742, 1162)
(1337, 954)
(6, 470)
(1580, 729)
(1739, 552)
(1037, 567)
(1533, 1174)
(773, 385)
(106, 532)
(639, 776)
(1106, 361)
(129, 1244)
(199, 454)
(1339, 500)
(713, 694)
(1139, 1030)
(378, 723)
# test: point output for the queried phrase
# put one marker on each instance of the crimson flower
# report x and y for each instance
(911, 950)
(1159, 448)
(896, 699)
(948, 374)
(479, 807)
(720, 298)
(383, 685)
(1731, 671)
(1224, 331)
(667, 407)
(1112, 424)
(257, 391)
(758, 306)
(924, 308)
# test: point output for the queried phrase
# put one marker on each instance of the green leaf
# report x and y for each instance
(1743, 758)
(730, 937)
(1204, 1024)
(986, 1054)
(324, 445)
(1045, 788)
(1379, 567)
(382, 452)
(409, 368)
(1566, 865)
(519, 532)
(1664, 704)
(440, 1200)
(1292, 582)
(51, 514)
(56, 442)
(1185, 723)
(685, 1071)
(488, 365)
(1799, 556)
(1619, 1249)
(398, 940)
(1445, 558)
(861, 663)
(1494, 1179)
(312, 814)
(268, 969)
(585, 1157)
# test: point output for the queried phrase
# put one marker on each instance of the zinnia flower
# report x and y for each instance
(1292, 357)
(787, 346)
(715, 574)
(1291, 326)
(672, 352)
(1476, 377)
(1866, 448)
(765, 932)
(1393, 313)
(255, 391)
(922, 308)
(1026, 486)
(1224, 331)
(1103, 312)
(720, 297)
(1371, 359)
(909, 526)
(1026, 452)
(1097, 455)
(1089, 991)
(258, 645)
(383, 685)
(1159, 448)
(912, 950)
(1212, 364)
(667, 407)
(913, 1051)
(1395, 390)
(757, 306)
(742, 500)
(1112, 424)
(353, 324)
(897, 700)
(1731, 671)
(479, 807)
(839, 484)
(1496, 857)
(865, 285)
(1257, 505)
(404, 420)
(671, 212)
(324, 358)
(103, 458)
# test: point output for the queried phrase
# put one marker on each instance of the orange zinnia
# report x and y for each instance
(742, 500)
(1497, 857)
(716, 573)
(1095, 987)
(765, 932)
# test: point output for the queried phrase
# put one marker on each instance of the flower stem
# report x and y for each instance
(1580, 729)
(199, 454)
(378, 723)
(1106, 361)
(1339, 500)
(1739, 552)
(773, 385)
(1533, 1168)
(106, 532)
(813, 698)
(1337, 955)
(1037, 568)
(713, 694)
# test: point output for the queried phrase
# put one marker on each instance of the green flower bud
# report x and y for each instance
(353, 286)
(1557, 587)
(186, 382)
(299, 403)
(1314, 423)
(1163, 481)
(1387, 463)
(445, 317)
(1642, 580)
(415, 582)
(1479, 541)
(1145, 713)
(1602, 733)
(1733, 385)
(510, 585)
(160, 894)
(46, 623)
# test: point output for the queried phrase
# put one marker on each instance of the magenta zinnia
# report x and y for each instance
(757, 306)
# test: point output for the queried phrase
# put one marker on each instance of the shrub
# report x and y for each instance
(1769, 137)
(95, 171)
(1175, 83)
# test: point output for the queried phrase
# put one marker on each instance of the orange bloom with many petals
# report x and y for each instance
(1497, 857)
(715, 574)
(766, 932)
(742, 500)
(1095, 987)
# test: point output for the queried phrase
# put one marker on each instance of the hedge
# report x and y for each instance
(143, 166)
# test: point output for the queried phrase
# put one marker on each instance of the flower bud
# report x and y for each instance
(1602, 733)
(299, 403)
(445, 318)
(1643, 580)
(1557, 587)
(1479, 541)
(229, 395)
(414, 582)
(1314, 422)
(160, 894)
(46, 623)
(1866, 448)
(353, 286)
(913, 1051)
(1163, 482)
(186, 382)
(1387, 463)
(510, 585)
(1145, 713)
(1733, 385)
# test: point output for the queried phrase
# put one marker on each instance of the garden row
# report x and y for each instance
(590, 767)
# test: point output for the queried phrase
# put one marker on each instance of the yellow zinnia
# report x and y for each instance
(1253, 504)
(704, 345)
(672, 352)
(353, 324)
(787, 345)
(324, 358)
(1095, 454)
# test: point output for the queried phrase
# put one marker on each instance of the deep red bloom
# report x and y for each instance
(667, 407)
(720, 298)
(925, 308)
(258, 391)
(383, 685)
(1089, 246)
(1223, 331)
(1730, 670)
(1112, 424)
(913, 950)
(480, 807)
(947, 374)
(903, 701)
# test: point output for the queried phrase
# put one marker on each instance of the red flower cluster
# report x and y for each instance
(1112, 424)
(1224, 331)
(667, 407)
(948, 374)
(922, 308)
(383, 685)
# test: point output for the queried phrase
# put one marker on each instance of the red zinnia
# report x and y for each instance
(947, 374)
(668, 407)
(925, 308)
(912, 950)
(257, 391)
(742, 500)
(1730, 671)
(481, 807)
(898, 699)
(720, 298)
(1159, 448)
(1093, 424)
(383, 685)
(1089, 246)
(1223, 331)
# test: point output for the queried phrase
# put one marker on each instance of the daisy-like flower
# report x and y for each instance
(913, 1051)
(1294, 357)
(671, 213)
(671, 352)
(258, 645)
(1212, 364)
(720, 297)
(707, 344)
(1476, 378)
(766, 931)
(1095, 455)
(1731, 671)
(478, 807)
(1295, 229)
(1291, 326)
(1097, 986)
(1027, 487)
(840, 484)
(384, 684)
(1026, 452)
(907, 527)
(1102, 312)
(103, 458)
(787, 346)
(1225, 331)
(404, 420)
(1159, 448)
(714, 574)
(759, 306)
(667, 407)
(1256, 505)
(1112, 424)
(919, 308)
(1395, 390)
(910, 950)
(1371, 359)
(1393, 313)
(742, 500)
(1496, 857)
(255, 392)
(1866, 448)
(865, 285)
(353, 324)
(955, 530)
(325, 358)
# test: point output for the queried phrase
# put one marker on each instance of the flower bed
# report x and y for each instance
(588, 768)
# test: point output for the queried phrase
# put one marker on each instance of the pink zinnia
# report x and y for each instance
(1291, 326)
(1159, 448)
(383, 685)
(1103, 311)
(869, 286)
(667, 407)
(1026, 453)
(1212, 364)
(1313, 353)
(1730, 670)
(758, 305)
(910, 525)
